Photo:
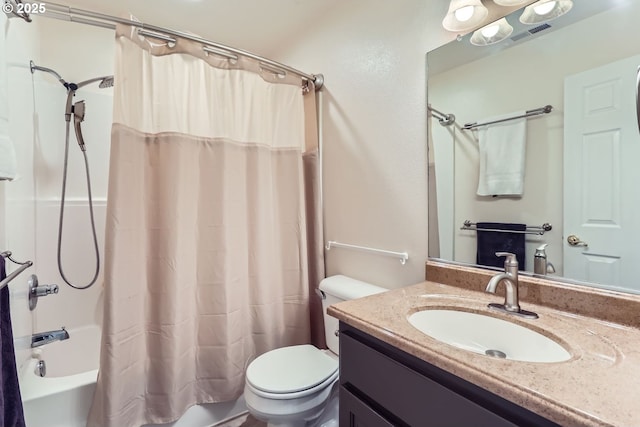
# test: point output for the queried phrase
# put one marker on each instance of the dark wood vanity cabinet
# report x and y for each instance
(382, 386)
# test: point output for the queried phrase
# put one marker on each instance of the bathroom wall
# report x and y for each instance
(372, 55)
(19, 194)
(4, 111)
(3, 238)
(77, 52)
(31, 203)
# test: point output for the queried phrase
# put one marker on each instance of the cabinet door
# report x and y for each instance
(355, 413)
(412, 398)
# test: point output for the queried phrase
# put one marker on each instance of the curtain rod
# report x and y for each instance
(71, 14)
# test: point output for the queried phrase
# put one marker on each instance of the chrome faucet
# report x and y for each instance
(43, 338)
(510, 279)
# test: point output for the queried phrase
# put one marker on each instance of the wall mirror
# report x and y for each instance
(581, 174)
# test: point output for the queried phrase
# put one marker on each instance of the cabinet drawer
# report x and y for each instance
(355, 413)
(407, 394)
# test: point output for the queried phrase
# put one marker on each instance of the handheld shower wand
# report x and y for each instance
(78, 117)
(76, 110)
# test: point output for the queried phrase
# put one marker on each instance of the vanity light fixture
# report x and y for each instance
(464, 15)
(492, 33)
(545, 10)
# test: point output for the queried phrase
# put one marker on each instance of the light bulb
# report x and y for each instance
(544, 8)
(492, 33)
(464, 13)
(543, 11)
(490, 30)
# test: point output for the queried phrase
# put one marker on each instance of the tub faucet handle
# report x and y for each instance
(44, 290)
(36, 291)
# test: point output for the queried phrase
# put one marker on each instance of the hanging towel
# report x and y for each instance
(502, 153)
(490, 242)
(7, 153)
(11, 413)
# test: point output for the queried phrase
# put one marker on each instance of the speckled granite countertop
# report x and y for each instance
(598, 386)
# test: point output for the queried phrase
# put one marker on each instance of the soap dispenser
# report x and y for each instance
(540, 263)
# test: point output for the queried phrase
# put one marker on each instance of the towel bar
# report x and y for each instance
(404, 256)
(535, 112)
(10, 277)
(540, 230)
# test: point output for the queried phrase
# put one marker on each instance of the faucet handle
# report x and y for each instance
(511, 260)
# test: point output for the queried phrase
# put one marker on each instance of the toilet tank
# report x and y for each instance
(341, 288)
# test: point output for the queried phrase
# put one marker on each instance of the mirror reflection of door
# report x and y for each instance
(601, 175)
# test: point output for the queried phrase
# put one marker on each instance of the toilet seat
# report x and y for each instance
(291, 372)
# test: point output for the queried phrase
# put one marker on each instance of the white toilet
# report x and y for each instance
(297, 386)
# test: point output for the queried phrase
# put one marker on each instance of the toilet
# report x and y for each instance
(297, 386)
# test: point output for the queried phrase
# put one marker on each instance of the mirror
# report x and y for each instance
(578, 176)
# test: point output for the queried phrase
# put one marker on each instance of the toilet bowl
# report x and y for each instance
(297, 386)
(291, 386)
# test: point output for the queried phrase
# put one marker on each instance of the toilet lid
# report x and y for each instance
(290, 369)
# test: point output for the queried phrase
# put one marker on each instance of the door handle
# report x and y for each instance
(574, 240)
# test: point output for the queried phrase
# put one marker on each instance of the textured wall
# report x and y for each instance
(372, 55)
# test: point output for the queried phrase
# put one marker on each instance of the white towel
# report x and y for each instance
(502, 154)
(7, 152)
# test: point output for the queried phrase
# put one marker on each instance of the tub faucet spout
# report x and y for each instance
(48, 337)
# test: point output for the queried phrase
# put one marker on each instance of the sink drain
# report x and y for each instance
(496, 353)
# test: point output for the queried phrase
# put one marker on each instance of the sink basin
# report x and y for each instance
(488, 335)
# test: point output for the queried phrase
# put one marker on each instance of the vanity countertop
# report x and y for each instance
(598, 386)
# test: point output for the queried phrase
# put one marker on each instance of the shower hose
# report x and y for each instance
(91, 215)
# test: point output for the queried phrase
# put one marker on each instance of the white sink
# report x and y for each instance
(488, 335)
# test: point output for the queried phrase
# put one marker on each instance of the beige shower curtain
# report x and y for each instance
(213, 241)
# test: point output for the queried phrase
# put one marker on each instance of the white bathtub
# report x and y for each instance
(63, 397)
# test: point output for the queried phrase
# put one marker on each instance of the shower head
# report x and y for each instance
(106, 82)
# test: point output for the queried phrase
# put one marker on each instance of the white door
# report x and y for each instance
(602, 176)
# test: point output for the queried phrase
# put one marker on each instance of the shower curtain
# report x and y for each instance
(213, 241)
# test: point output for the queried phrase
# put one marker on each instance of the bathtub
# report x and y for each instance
(63, 397)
